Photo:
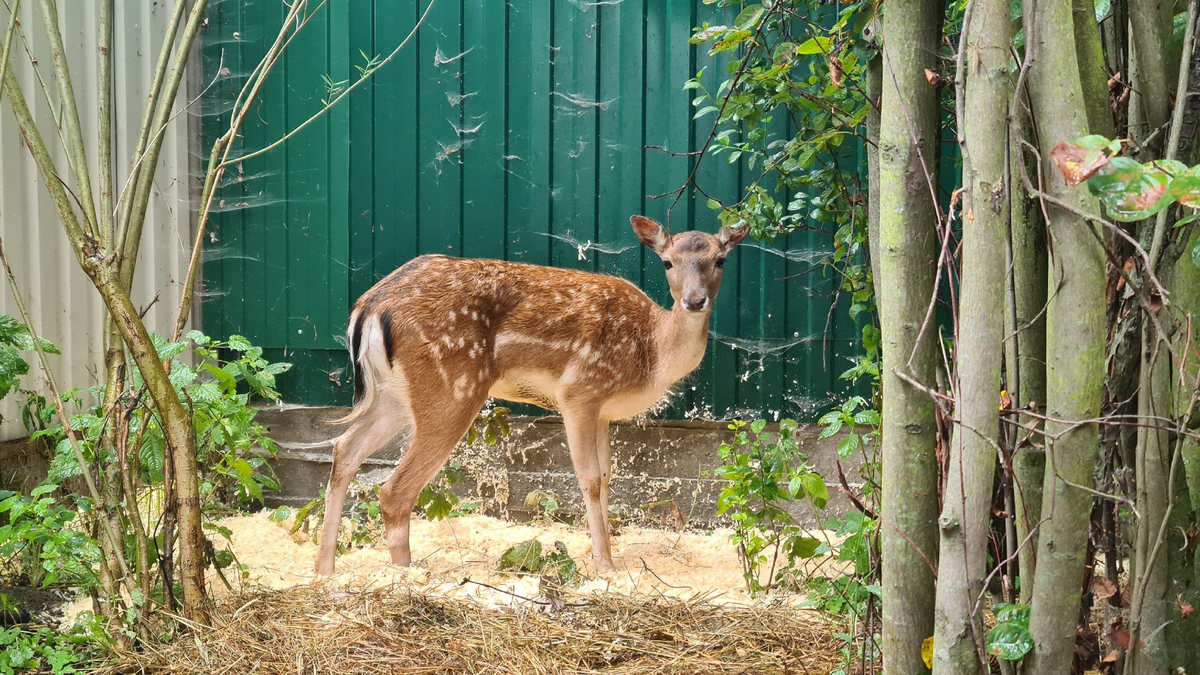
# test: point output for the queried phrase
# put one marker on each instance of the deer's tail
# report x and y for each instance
(368, 339)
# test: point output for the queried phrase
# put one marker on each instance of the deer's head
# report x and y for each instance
(694, 260)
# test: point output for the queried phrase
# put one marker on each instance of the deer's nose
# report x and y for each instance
(695, 302)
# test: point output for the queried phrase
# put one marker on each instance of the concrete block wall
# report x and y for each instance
(655, 462)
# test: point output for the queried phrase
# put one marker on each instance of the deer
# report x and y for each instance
(431, 342)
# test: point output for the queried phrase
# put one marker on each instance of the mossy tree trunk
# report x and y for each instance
(965, 522)
(908, 249)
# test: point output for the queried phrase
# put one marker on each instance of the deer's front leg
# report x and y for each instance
(582, 424)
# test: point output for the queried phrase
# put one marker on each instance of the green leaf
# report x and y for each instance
(748, 18)
(704, 35)
(757, 426)
(732, 39)
(848, 445)
(704, 111)
(815, 486)
(524, 557)
(816, 45)
(803, 547)
(1009, 641)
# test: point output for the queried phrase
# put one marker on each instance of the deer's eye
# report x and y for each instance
(667, 264)
(720, 262)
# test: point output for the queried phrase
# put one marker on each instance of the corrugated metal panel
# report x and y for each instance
(65, 306)
(513, 130)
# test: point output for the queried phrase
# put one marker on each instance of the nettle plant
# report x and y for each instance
(767, 474)
(216, 387)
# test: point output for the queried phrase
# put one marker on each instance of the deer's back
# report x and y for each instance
(522, 332)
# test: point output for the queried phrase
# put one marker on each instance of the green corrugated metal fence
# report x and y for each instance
(514, 130)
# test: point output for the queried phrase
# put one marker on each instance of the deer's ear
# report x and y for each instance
(729, 237)
(650, 233)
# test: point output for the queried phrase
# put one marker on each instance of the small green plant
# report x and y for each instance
(1010, 639)
(544, 502)
(848, 593)
(42, 541)
(766, 474)
(527, 558)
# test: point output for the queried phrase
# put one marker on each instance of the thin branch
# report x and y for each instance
(74, 146)
(1189, 44)
(130, 228)
(139, 148)
(97, 503)
(346, 92)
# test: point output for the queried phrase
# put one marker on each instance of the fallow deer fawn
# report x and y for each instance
(434, 339)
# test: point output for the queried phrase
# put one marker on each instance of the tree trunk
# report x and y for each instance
(177, 428)
(966, 516)
(1092, 73)
(1026, 355)
(1150, 35)
(1075, 347)
(874, 82)
(908, 249)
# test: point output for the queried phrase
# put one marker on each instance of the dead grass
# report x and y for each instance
(321, 628)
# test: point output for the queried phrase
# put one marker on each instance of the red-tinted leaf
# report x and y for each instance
(1103, 589)
(1077, 163)
(1185, 609)
(1120, 636)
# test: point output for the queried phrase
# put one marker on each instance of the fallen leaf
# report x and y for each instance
(836, 72)
(931, 77)
(1185, 609)
(1112, 657)
(1103, 589)
(1005, 400)
(927, 648)
(1077, 164)
(1120, 636)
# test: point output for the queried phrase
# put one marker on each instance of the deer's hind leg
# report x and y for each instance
(370, 432)
(440, 420)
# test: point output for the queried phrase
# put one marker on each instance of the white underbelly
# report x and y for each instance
(630, 404)
(527, 386)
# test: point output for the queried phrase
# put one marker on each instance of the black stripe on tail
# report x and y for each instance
(355, 355)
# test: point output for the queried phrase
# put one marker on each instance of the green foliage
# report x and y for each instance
(527, 558)
(847, 594)
(232, 448)
(42, 541)
(14, 339)
(41, 649)
(766, 474)
(1129, 190)
(1010, 639)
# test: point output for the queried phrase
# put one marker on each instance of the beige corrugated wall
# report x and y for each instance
(65, 307)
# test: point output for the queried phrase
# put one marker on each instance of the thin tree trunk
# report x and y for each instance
(1092, 74)
(177, 428)
(1150, 35)
(1026, 361)
(908, 248)
(874, 82)
(966, 516)
(1075, 342)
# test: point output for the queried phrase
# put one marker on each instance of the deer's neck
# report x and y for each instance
(682, 338)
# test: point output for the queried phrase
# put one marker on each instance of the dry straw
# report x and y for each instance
(318, 629)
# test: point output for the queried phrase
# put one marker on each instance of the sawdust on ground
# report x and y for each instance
(689, 565)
